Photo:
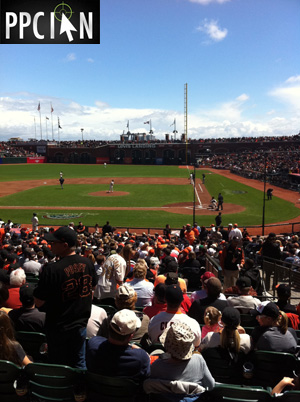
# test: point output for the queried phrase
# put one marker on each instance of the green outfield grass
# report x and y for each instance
(139, 196)
(51, 171)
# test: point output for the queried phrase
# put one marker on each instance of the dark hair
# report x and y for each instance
(4, 294)
(7, 340)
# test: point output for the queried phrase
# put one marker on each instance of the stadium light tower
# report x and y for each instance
(82, 129)
(186, 120)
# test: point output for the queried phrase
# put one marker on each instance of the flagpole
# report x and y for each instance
(58, 128)
(46, 128)
(34, 128)
(174, 131)
(52, 110)
(41, 124)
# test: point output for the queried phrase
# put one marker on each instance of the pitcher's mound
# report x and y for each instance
(107, 194)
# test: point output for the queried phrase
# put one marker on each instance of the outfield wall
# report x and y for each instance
(12, 161)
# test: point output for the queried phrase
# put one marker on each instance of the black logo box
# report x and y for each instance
(72, 7)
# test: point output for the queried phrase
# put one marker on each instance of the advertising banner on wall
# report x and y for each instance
(39, 159)
(100, 161)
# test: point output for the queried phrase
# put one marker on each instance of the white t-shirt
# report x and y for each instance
(98, 314)
(144, 290)
(163, 320)
(113, 270)
(235, 233)
(202, 294)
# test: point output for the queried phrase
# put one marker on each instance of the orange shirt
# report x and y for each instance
(162, 279)
(190, 236)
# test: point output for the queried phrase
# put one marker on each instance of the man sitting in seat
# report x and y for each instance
(27, 317)
(244, 302)
(115, 356)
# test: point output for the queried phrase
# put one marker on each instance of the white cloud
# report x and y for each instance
(289, 92)
(70, 57)
(242, 98)
(212, 30)
(101, 121)
(206, 2)
(293, 79)
(90, 60)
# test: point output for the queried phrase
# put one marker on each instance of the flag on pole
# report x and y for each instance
(52, 110)
(127, 124)
(146, 122)
(59, 126)
(39, 106)
(47, 118)
(173, 124)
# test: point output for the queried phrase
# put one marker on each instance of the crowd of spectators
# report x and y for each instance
(7, 150)
(276, 164)
(160, 291)
(98, 143)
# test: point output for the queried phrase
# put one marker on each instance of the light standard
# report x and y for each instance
(264, 200)
(194, 203)
(82, 133)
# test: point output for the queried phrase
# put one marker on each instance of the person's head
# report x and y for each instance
(249, 264)
(230, 338)
(63, 240)
(178, 340)
(269, 315)
(128, 252)
(171, 266)
(126, 297)
(171, 278)
(206, 276)
(213, 287)
(283, 292)
(243, 284)
(123, 326)
(4, 294)
(174, 297)
(7, 338)
(140, 270)
(211, 315)
(272, 237)
(26, 295)
(160, 293)
(100, 259)
(154, 263)
(6, 328)
(92, 257)
(17, 277)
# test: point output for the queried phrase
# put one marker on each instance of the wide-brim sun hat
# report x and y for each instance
(178, 340)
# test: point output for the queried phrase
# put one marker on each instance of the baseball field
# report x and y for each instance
(144, 196)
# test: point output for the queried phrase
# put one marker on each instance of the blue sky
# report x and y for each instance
(240, 59)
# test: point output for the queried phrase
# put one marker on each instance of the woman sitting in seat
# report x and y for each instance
(273, 333)
(10, 349)
(230, 338)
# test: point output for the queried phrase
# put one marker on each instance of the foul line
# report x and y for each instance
(200, 203)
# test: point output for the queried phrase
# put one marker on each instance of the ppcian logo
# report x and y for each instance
(33, 21)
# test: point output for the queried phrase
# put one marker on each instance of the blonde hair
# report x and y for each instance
(127, 252)
(282, 322)
(128, 303)
(230, 339)
(92, 258)
(140, 269)
(211, 316)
